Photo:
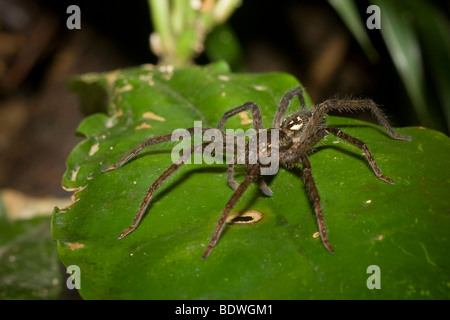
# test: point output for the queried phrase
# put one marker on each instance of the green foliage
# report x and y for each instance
(402, 228)
(416, 36)
(222, 44)
(181, 27)
(29, 264)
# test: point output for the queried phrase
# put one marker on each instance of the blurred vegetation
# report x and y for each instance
(181, 27)
(416, 34)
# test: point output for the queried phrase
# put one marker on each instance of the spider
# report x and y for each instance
(298, 133)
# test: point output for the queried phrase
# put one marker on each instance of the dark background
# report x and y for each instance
(38, 54)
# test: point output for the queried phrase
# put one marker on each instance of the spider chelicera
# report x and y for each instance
(298, 133)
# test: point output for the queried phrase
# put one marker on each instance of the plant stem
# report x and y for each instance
(224, 9)
(181, 27)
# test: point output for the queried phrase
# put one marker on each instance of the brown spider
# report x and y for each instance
(298, 133)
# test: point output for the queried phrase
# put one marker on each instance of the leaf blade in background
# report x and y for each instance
(433, 28)
(223, 45)
(416, 36)
(352, 18)
(404, 47)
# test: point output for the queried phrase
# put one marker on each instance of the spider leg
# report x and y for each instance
(284, 103)
(136, 150)
(338, 133)
(363, 104)
(230, 176)
(314, 195)
(158, 182)
(257, 124)
(256, 115)
(253, 171)
(146, 143)
(234, 185)
(264, 187)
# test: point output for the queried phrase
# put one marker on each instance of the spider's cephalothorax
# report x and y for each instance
(298, 133)
(294, 124)
(291, 132)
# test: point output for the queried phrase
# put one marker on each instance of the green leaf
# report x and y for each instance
(29, 263)
(401, 228)
(222, 44)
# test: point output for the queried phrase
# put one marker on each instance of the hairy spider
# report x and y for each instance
(298, 133)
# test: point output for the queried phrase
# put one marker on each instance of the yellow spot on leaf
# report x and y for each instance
(110, 122)
(75, 246)
(143, 125)
(75, 173)
(223, 77)
(118, 113)
(259, 88)
(128, 87)
(151, 115)
(94, 149)
(111, 77)
(147, 78)
(380, 237)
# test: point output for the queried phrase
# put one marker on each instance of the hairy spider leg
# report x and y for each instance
(314, 195)
(146, 143)
(252, 173)
(234, 185)
(138, 149)
(349, 105)
(161, 178)
(257, 125)
(256, 115)
(311, 135)
(284, 103)
(158, 182)
(230, 175)
(356, 142)
(311, 186)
